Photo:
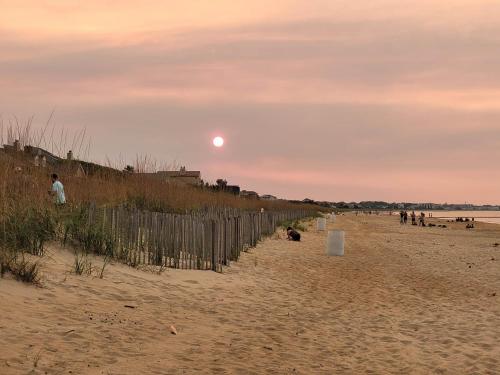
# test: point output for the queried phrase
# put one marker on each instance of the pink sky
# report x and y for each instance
(379, 100)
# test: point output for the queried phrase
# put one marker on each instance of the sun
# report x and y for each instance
(218, 142)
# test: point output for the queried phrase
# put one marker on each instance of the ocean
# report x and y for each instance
(482, 216)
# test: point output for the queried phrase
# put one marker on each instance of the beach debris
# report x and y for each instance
(493, 294)
(130, 306)
(173, 330)
(37, 358)
(496, 244)
(268, 348)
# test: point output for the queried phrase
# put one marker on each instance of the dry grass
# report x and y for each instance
(31, 184)
(18, 265)
(107, 185)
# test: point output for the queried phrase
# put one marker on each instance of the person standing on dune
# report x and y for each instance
(57, 191)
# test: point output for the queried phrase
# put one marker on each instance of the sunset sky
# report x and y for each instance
(332, 100)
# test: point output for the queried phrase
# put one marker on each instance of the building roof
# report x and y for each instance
(248, 192)
(268, 196)
(195, 174)
(34, 151)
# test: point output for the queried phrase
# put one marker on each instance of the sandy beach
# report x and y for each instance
(403, 300)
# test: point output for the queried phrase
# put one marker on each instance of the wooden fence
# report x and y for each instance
(204, 240)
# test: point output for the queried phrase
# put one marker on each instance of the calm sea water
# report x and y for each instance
(483, 216)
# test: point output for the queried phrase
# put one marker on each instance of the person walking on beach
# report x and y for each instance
(401, 217)
(413, 218)
(57, 190)
(292, 234)
(405, 217)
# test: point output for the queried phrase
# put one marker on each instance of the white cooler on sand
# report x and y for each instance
(335, 243)
(321, 223)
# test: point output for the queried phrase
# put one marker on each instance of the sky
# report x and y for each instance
(327, 99)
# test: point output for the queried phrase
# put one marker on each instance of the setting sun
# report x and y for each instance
(218, 141)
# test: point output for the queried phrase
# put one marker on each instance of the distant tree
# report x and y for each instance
(221, 184)
(342, 205)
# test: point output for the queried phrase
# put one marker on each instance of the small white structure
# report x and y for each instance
(335, 243)
(321, 223)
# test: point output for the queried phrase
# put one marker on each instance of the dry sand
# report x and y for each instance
(403, 300)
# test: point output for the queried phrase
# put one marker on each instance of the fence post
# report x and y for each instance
(214, 264)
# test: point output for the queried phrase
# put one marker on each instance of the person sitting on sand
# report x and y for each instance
(57, 190)
(292, 234)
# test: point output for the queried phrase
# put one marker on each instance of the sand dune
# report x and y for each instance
(402, 300)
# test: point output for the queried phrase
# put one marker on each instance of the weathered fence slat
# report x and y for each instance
(204, 240)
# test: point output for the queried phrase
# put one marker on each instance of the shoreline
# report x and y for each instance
(446, 218)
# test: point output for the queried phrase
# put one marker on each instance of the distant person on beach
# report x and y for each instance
(405, 217)
(57, 190)
(292, 234)
(421, 220)
(401, 217)
(413, 218)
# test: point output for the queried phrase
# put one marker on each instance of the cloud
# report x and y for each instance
(394, 93)
(400, 63)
